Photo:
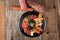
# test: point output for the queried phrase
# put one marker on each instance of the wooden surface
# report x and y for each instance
(2, 20)
(58, 5)
(12, 22)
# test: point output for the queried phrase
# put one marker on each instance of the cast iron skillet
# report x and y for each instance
(26, 14)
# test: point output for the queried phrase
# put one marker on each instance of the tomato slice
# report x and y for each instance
(32, 17)
(24, 25)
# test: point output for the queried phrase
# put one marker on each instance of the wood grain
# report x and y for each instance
(51, 32)
(2, 21)
(58, 6)
(12, 22)
(58, 10)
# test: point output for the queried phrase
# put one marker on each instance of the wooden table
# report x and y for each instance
(12, 22)
(2, 21)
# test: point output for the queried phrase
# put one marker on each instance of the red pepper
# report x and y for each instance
(24, 25)
(32, 17)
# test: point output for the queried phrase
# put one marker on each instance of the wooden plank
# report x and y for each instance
(58, 6)
(58, 10)
(51, 32)
(2, 20)
(59, 27)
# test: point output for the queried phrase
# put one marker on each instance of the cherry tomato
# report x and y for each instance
(24, 25)
(32, 17)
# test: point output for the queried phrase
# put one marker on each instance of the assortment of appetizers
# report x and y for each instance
(32, 24)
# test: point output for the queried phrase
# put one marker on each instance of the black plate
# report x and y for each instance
(26, 14)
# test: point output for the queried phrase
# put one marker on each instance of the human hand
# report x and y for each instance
(35, 4)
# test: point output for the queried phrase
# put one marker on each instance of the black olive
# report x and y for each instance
(31, 24)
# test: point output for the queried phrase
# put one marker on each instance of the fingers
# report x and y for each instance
(23, 4)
